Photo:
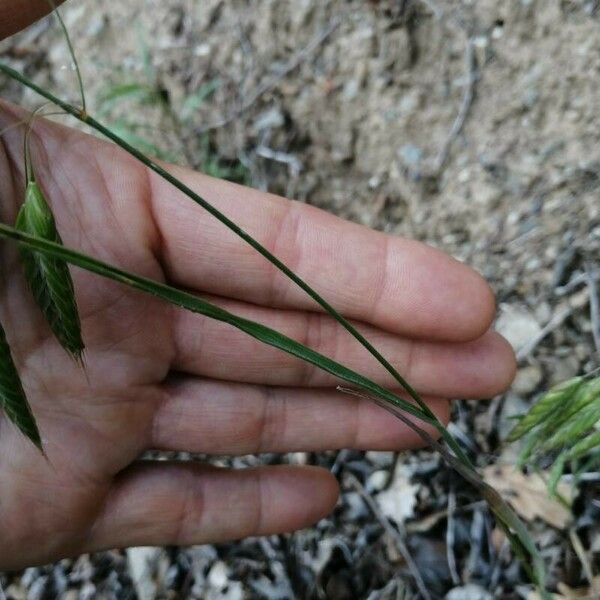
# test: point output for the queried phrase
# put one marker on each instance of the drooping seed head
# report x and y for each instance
(49, 278)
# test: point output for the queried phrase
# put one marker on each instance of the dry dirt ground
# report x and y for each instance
(471, 125)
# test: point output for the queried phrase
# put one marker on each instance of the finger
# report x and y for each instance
(216, 417)
(18, 14)
(399, 285)
(160, 504)
(208, 348)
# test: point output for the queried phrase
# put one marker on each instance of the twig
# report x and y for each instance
(451, 558)
(583, 559)
(340, 459)
(578, 280)
(497, 570)
(293, 163)
(268, 85)
(397, 536)
(465, 106)
(476, 536)
(594, 305)
(471, 77)
(556, 321)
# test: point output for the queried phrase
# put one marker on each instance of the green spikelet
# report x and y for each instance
(584, 446)
(573, 408)
(546, 407)
(561, 421)
(581, 422)
(49, 278)
(12, 396)
(529, 446)
(556, 473)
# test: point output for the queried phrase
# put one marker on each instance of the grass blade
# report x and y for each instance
(12, 396)
(49, 278)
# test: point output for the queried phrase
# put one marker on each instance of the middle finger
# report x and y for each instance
(208, 348)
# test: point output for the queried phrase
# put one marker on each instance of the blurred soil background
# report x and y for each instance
(471, 125)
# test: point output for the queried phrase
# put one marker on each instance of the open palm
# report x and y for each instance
(161, 378)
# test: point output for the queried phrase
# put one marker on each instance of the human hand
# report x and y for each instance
(157, 377)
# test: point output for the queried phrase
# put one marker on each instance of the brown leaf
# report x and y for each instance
(528, 495)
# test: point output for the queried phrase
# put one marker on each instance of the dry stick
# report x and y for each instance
(293, 64)
(583, 559)
(450, 556)
(594, 306)
(465, 106)
(578, 280)
(469, 91)
(397, 536)
(555, 322)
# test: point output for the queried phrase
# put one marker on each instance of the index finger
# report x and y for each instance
(398, 285)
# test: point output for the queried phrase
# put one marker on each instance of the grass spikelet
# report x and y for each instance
(551, 402)
(583, 420)
(584, 446)
(49, 278)
(12, 396)
(561, 422)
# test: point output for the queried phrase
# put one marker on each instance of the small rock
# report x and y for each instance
(527, 380)
(517, 325)
(471, 591)
(377, 481)
(410, 155)
(218, 576)
(563, 369)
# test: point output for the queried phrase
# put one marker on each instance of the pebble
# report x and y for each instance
(527, 380)
(471, 591)
(377, 481)
(517, 325)
(380, 458)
